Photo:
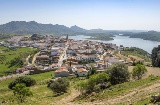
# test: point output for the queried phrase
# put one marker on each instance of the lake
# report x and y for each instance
(146, 45)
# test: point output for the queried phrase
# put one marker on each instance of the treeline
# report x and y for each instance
(100, 36)
(150, 35)
(5, 36)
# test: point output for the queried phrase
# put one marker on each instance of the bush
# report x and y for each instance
(138, 71)
(26, 80)
(59, 86)
(152, 77)
(21, 92)
(95, 83)
(118, 73)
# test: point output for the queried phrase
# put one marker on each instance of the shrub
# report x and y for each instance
(21, 92)
(138, 71)
(152, 77)
(28, 81)
(95, 83)
(118, 73)
(59, 86)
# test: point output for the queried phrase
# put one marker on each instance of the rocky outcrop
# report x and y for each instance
(156, 56)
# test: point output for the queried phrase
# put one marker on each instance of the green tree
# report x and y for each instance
(59, 86)
(93, 70)
(21, 92)
(28, 81)
(98, 81)
(118, 73)
(138, 71)
(15, 62)
(64, 61)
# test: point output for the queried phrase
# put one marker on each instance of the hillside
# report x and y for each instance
(135, 92)
(23, 27)
(150, 35)
(77, 29)
(8, 58)
(32, 27)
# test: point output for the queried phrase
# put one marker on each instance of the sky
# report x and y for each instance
(88, 14)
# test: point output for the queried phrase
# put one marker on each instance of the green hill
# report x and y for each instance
(150, 35)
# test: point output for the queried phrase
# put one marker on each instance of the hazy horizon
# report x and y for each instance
(87, 14)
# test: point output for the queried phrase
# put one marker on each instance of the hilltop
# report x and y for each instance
(23, 27)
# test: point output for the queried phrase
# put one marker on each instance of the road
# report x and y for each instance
(14, 75)
(63, 56)
(34, 58)
(27, 60)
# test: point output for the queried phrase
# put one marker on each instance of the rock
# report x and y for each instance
(155, 98)
(156, 56)
(92, 99)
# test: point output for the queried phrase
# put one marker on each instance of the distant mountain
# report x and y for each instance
(77, 29)
(97, 31)
(22, 27)
(32, 27)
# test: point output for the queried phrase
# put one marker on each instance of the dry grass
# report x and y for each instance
(150, 71)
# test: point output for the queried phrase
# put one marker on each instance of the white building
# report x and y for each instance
(82, 72)
(54, 51)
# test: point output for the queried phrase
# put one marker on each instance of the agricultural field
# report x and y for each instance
(7, 56)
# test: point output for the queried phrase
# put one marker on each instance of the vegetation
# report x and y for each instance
(36, 37)
(138, 71)
(28, 81)
(118, 73)
(41, 94)
(121, 90)
(4, 37)
(17, 62)
(59, 86)
(92, 71)
(9, 57)
(32, 55)
(156, 57)
(137, 52)
(101, 37)
(150, 35)
(21, 92)
(95, 83)
(22, 27)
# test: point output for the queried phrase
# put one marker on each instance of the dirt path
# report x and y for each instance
(134, 95)
(68, 100)
(127, 98)
(34, 58)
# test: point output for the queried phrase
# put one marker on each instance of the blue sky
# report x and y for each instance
(88, 14)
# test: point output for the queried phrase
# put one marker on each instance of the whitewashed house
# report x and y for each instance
(82, 72)
(54, 51)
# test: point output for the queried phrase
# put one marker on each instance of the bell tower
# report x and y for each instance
(67, 37)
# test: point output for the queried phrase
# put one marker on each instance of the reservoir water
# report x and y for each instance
(146, 45)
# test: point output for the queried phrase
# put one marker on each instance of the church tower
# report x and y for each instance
(67, 37)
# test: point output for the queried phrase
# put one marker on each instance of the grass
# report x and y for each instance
(41, 94)
(7, 55)
(136, 53)
(119, 89)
